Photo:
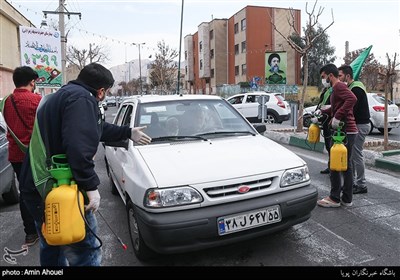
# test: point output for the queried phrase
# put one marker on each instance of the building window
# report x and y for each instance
(236, 28)
(211, 34)
(244, 69)
(212, 73)
(236, 70)
(201, 64)
(236, 49)
(212, 53)
(185, 55)
(243, 25)
(200, 46)
(186, 70)
(243, 46)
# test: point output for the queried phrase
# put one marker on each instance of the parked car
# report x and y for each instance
(8, 187)
(208, 177)
(376, 103)
(111, 101)
(247, 104)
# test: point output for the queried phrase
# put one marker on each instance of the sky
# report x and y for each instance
(117, 24)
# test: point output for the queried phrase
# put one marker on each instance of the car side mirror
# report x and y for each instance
(261, 128)
(118, 144)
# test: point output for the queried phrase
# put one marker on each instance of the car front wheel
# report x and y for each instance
(141, 250)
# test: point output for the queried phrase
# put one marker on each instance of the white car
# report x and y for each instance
(247, 104)
(208, 178)
(8, 187)
(376, 103)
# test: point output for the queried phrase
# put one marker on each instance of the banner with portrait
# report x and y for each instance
(41, 50)
(275, 67)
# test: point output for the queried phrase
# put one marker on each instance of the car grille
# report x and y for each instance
(233, 189)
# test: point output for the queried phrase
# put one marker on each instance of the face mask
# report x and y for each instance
(326, 82)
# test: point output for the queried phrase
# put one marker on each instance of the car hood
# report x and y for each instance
(194, 162)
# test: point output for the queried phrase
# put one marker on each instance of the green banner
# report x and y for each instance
(358, 63)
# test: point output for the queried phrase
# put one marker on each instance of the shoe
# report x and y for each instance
(325, 171)
(31, 239)
(357, 190)
(328, 203)
(346, 204)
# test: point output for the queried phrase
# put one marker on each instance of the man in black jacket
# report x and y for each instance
(69, 122)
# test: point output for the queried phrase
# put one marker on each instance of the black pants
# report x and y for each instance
(27, 219)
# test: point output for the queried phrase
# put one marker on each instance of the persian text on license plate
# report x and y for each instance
(243, 221)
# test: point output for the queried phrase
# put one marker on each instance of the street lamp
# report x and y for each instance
(140, 66)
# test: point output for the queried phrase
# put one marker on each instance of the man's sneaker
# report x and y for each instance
(346, 204)
(357, 189)
(325, 171)
(31, 239)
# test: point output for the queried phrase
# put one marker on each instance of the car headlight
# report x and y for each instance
(295, 176)
(170, 197)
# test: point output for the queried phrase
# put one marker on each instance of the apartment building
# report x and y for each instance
(234, 50)
(10, 57)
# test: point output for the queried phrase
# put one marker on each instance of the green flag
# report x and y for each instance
(357, 63)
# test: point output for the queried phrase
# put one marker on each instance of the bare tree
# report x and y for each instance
(307, 43)
(387, 73)
(95, 53)
(164, 68)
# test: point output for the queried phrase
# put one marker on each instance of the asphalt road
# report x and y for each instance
(367, 234)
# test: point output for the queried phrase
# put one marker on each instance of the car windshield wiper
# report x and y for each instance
(178, 138)
(227, 132)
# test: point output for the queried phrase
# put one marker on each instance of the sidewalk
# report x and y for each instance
(286, 134)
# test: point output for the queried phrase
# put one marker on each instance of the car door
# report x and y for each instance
(250, 105)
(5, 166)
(117, 156)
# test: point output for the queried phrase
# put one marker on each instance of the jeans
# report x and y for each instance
(336, 176)
(27, 219)
(83, 253)
(357, 156)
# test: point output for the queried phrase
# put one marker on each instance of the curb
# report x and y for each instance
(386, 159)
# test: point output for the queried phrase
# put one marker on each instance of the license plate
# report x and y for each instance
(247, 220)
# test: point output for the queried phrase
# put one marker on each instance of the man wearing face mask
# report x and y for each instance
(361, 114)
(69, 122)
(341, 110)
(19, 113)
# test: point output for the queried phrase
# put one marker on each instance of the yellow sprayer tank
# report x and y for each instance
(313, 133)
(64, 223)
(338, 157)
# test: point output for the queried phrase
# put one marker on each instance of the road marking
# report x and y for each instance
(371, 176)
(322, 246)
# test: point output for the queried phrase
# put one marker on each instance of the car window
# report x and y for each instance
(236, 99)
(251, 98)
(266, 98)
(118, 120)
(128, 115)
(188, 118)
(381, 99)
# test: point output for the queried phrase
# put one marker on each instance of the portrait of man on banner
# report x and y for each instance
(275, 67)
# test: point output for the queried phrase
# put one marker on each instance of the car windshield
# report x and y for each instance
(179, 120)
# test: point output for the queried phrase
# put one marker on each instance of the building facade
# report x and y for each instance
(10, 57)
(233, 51)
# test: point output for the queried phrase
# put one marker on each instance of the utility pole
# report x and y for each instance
(180, 48)
(140, 66)
(61, 11)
